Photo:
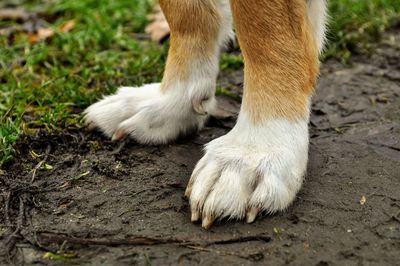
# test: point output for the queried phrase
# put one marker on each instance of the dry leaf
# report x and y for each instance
(382, 99)
(67, 26)
(46, 166)
(158, 28)
(44, 33)
(41, 34)
(363, 200)
(33, 38)
(34, 154)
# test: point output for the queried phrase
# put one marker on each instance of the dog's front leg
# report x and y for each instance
(259, 165)
(159, 113)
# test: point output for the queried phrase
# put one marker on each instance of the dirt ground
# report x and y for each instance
(99, 203)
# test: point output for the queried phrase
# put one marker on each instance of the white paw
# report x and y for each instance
(149, 115)
(250, 170)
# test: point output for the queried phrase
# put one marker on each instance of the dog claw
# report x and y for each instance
(188, 191)
(195, 217)
(251, 215)
(91, 126)
(207, 222)
(118, 135)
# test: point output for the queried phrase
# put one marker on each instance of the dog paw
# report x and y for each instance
(250, 170)
(148, 115)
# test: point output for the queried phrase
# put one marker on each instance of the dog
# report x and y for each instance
(258, 166)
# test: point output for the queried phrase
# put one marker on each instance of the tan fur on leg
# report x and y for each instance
(192, 40)
(281, 57)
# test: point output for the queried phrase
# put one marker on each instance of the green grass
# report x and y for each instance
(356, 25)
(45, 86)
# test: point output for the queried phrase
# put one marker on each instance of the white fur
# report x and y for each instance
(226, 30)
(152, 117)
(145, 114)
(259, 166)
(317, 16)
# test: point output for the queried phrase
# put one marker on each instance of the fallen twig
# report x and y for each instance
(7, 208)
(12, 239)
(145, 240)
(228, 253)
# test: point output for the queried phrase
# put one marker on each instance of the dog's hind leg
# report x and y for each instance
(158, 113)
(259, 165)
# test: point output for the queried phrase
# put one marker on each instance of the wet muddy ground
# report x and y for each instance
(78, 198)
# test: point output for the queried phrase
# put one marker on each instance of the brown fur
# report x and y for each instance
(280, 54)
(194, 28)
(281, 58)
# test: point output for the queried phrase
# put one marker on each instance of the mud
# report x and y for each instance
(99, 203)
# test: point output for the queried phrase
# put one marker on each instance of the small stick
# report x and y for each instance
(146, 241)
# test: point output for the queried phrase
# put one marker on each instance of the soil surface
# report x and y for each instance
(78, 198)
